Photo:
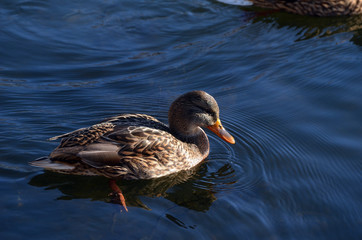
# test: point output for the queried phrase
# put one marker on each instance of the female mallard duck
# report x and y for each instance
(321, 8)
(138, 146)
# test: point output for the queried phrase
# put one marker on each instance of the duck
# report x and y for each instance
(138, 146)
(322, 8)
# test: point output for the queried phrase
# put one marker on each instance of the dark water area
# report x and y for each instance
(289, 89)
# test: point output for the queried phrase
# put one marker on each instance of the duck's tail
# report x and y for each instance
(48, 164)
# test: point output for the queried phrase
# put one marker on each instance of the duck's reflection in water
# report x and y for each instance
(181, 188)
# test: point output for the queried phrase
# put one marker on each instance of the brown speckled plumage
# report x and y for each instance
(138, 146)
(321, 8)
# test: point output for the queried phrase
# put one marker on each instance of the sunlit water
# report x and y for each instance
(289, 89)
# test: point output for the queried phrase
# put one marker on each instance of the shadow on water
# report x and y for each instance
(194, 189)
(309, 27)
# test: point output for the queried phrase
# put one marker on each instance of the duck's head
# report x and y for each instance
(193, 110)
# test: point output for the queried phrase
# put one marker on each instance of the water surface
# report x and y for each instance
(289, 89)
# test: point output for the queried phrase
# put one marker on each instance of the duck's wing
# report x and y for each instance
(132, 117)
(131, 142)
(84, 136)
(139, 151)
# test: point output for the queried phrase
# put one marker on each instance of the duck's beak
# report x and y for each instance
(219, 130)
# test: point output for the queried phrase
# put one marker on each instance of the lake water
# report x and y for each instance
(289, 89)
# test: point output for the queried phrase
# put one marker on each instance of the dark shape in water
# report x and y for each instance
(322, 8)
(181, 188)
(308, 27)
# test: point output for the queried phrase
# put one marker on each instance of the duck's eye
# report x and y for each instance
(208, 111)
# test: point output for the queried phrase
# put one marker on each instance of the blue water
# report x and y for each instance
(289, 89)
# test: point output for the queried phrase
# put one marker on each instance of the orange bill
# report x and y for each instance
(219, 130)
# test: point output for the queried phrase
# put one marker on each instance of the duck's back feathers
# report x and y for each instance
(88, 135)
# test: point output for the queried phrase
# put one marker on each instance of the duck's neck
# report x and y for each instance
(194, 137)
(202, 143)
(185, 130)
(181, 126)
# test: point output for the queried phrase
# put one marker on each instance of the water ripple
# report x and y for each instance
(288, 88)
